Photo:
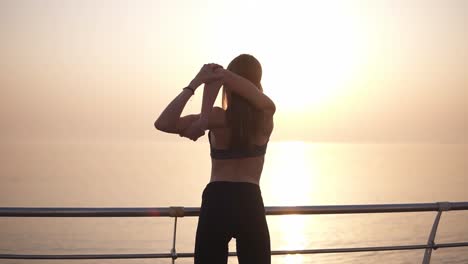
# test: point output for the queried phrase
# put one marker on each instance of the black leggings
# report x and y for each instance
(232, 209)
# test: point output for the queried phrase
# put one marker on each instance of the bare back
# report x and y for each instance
(247, 169)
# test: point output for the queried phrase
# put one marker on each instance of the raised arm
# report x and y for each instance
(248, 90)
(210, 92)
(210, 117)
(170, 121)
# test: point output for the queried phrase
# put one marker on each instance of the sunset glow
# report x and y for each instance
(325, 47)
(326, 64)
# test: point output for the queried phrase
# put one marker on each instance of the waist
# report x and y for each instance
(240, 184)
(247, 170)
(244, 179)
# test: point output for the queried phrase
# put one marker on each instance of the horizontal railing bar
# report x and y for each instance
(195, 211)
(277, 252)
(366, 249)
(364, 209)
(87, 256)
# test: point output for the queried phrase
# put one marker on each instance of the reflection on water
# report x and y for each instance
(291, 233)
(299, 173)
(293, 181)
(294, 259)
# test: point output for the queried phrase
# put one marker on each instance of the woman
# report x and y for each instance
(232, 204)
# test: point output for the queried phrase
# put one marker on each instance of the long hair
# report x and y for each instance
(242, 117)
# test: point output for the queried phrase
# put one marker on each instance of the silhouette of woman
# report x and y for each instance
(232, 204)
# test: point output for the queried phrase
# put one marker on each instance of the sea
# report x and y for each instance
(162, 174)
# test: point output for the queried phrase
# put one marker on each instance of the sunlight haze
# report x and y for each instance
(358, 71)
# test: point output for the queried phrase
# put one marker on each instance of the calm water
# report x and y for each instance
(142, 174)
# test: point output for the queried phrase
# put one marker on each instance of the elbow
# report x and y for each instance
(163, 126)
(160, 126)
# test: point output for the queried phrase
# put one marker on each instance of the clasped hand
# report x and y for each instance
(209, 73)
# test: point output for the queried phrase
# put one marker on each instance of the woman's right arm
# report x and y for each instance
(248, 90)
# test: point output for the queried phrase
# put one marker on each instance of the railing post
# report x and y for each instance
(173, 250)
(443, 206)
(175, 211)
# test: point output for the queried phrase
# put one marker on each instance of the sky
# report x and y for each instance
(338, 71)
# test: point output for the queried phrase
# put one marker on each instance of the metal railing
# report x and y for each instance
(177, 212)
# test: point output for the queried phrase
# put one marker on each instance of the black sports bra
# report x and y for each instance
(233, 154)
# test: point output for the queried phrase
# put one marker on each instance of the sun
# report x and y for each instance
(309, 56)
(315, 67)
